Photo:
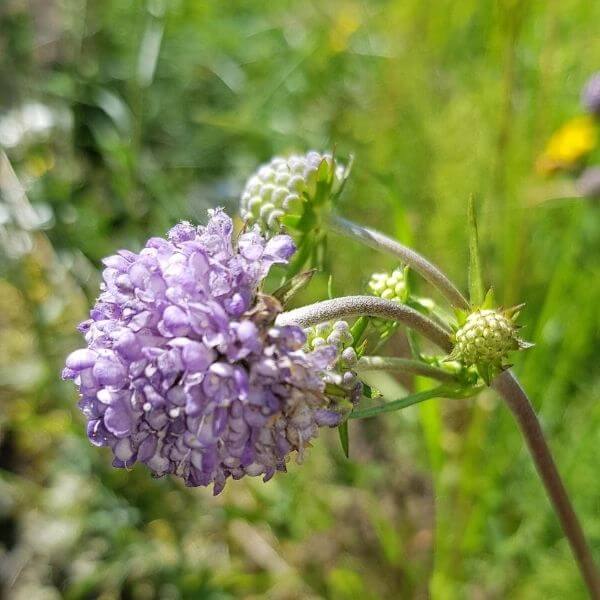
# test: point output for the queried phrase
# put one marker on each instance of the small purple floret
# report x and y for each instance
(184, 368)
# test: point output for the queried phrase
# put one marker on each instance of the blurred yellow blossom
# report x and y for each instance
(345, 24)
(568, 145)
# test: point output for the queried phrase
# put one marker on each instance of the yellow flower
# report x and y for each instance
(569, 144)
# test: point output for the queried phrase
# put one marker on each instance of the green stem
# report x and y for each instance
(505, 384)
(370, 306)
(509, 388)
(420, 264)
(406, 365)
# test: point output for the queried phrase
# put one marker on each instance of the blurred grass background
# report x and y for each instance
(118, 119)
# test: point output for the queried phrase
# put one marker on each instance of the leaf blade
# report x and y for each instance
(476, 292)
(344, 438)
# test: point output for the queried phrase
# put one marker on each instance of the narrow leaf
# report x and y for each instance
(489, 301)
(358, 329)
(344, 438)
(442, 391)
(372, 411)
(475, 277)
(370, 392)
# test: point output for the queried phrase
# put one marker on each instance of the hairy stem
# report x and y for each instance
(406, 365)
(369, 306)
(420, 264)
(515, 397)
(505, 384)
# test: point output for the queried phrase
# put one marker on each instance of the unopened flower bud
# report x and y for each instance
(284, 187)
(389, 286)
(341, 376)
(349, 357)
(485, 340)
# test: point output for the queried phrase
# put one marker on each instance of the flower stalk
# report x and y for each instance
(378, 241)
(404, 365)
(509, 388)
(505, 384)
(370, 306)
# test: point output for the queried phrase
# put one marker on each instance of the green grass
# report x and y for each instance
(171, 106)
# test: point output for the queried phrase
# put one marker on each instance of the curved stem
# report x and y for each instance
(407, 365)
(420, 264)
(505, 384)
(369, 306)
(515, 397)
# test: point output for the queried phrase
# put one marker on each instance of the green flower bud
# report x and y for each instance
(281, 190)
(389, 286)
(486, 339)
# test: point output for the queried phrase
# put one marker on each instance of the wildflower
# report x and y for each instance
(285, 190)
(485, 339)
(590, 96)
(184, 368)
(571, 143)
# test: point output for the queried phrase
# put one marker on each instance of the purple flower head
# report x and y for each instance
(184, 368)
(590, 96)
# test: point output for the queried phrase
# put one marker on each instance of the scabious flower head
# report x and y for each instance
(590, 96)
(486, 339)
(185, 369)
(341, 375)
(283, 189)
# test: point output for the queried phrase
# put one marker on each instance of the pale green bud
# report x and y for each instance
(485, 340)
(283, 187)
(389, 286)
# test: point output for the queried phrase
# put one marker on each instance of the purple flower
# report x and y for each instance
(184, 368)
(590, 96)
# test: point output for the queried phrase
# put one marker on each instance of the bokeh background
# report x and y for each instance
(117, 119)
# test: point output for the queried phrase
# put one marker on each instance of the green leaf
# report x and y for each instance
(372, 411)
(489, 301)
(358, 329)
(487, 372)
(292, 286)
(370, 392)
(301, 256)
(475, 277)
(413, 343)
(442, 391)
(344, 438)
(291, 221)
